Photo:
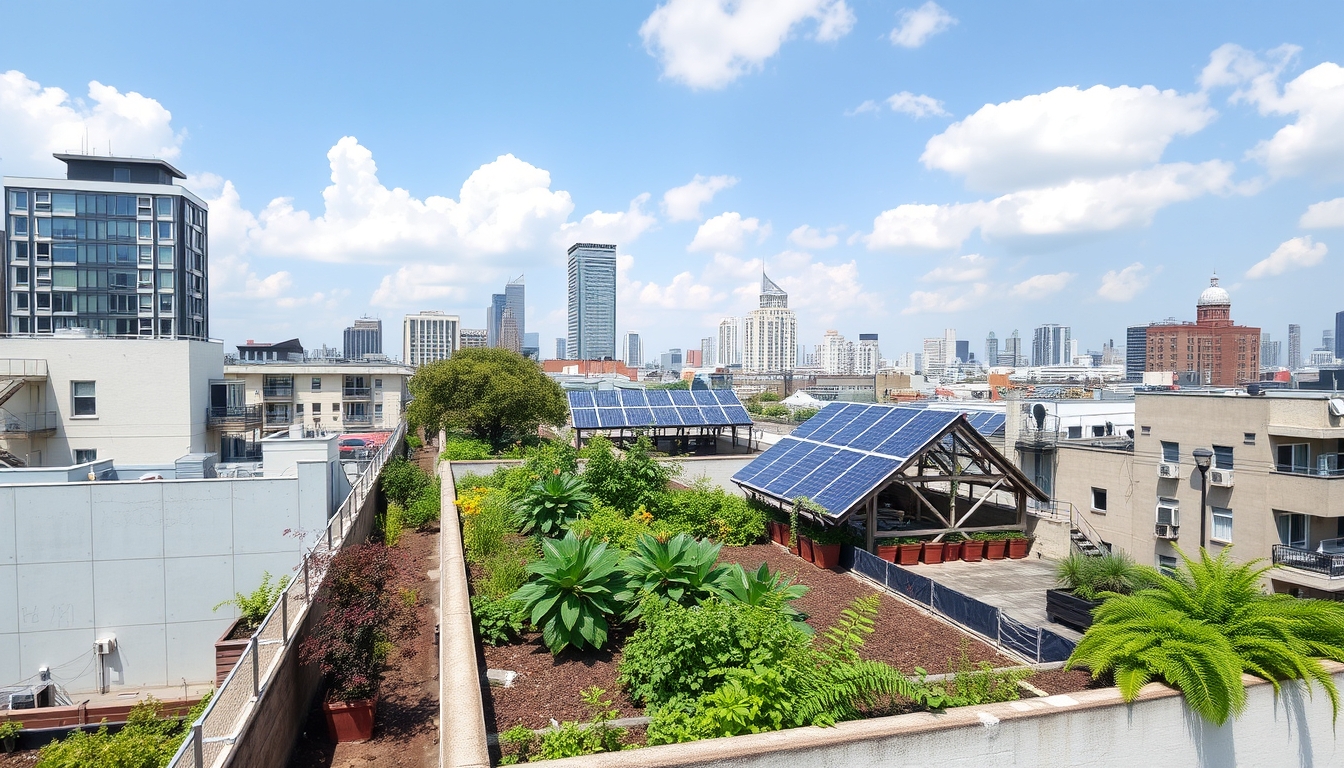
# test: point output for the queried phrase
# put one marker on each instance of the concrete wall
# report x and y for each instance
(718, 470)
(146, 562)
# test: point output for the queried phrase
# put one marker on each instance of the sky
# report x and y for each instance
(901, 168)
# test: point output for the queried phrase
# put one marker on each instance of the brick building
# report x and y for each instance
(1224, 354)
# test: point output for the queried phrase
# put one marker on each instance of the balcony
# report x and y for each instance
(1327, 564)
(278, 391)
(243, 416)
(278, 418)
(356, 393)
(357, 418)
(41, 423)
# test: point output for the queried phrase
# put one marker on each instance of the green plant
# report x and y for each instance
(681, 570)
(550, 458)
(464, 449)
(707, 511)
(763, 589)
(775, 411)
(484, 531)
(425, 508)
(413, 441)
(9, 729)
(506, 570)
(629, 482)
(606, 523)
(803, 414)
(974, 684)
(393, 524)
(402, 481)
(498, 622)
(572, 593)
(550, 505)
(768, 397)
(495, 395)
(253, 607)
(148, 740)
(523, 740)
(1202, 626)
(575, 739)
(1097, 577)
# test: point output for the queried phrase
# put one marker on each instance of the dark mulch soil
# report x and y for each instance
(25, 759)
(1072, 681)
(405, 733)
(548, 687)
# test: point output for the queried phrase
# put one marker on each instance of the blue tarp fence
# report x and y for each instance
(1035, 643)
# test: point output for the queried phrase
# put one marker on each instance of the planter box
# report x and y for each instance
(228, 652)
(1018, 548)
(972, 551)
(908, 554)
(825, 555)
(773, 528)
(888, 552)
(995, 549)
(805, 548)
(1066, 608)
(951, 551)
(933, 553)
(350, 720)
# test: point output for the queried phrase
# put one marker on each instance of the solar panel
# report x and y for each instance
(825, 473)
(736, 414)
(861, 423)
(585, 418)
(915, 434)
(714, 415)
(666, 416)
(681, 397)
(894, 419)
(782, 454)
(611, 418)
(659, 397)
(806, 463)
(638, 417)
(607, 398)
(691, 415)
(816, 422)
(633, 397)
(847, 414)
(622, 408)
(580, 399)
(704, 397)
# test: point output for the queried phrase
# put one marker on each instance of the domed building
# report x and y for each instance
(1222, 353)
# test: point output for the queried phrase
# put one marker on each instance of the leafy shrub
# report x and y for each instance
(974, 684)
(551, 458)
(768, 397)
(572, 740)
(572, 593)
(550, 505)
(628, 482)
(393, 524)
(776, 411)
(464, 449)
(762, 589)
(402, 481)
(413, 441)
(425, 508)
(707, 511)
(606, 523)
(9, 729)
(1096, 577)
(803, 414)
(680, 570)
(252, 608)
(506, 570)
(148, 740)
(522, 739)
(498, 622)
(486, 519)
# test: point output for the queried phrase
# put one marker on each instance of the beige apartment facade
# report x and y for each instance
(1275, 482)
(330, 397)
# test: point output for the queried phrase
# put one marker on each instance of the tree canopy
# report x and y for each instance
(495, 395)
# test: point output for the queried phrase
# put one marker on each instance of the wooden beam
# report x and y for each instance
(870, 528)
(932, 508)
(971, 479)
(977, 504)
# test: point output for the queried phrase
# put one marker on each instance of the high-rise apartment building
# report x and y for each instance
(1050, 345)
(1269, 352)
(707, 356)
(494, 314)
(365, 337)
(429, 336)
(837, 354)
(770, 333)
(1294, 347)
(991, 350)
(1136, 352)
(560, 350)
(592, 302)
(1339, 335)
(115, 247)
(515, 300)
(730, 341)
(468, 338)
(1222, 354)
(693, 358)
(867, 356)
(632, 349)
(935, 355)
(1012, 351)
(509, 337)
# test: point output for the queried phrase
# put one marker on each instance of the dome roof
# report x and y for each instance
(1213, 295)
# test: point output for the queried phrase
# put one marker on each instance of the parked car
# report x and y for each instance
(354, 448)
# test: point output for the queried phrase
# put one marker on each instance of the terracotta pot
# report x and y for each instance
(933, 553)
(772, 528)
(796, 547)
(972, 551)
(805, 547)
(228, 652)
(909, 554)
(1018, 548)
(995, 548)
(888, 552)
(951, 551)
(350, 720)
(825, 555)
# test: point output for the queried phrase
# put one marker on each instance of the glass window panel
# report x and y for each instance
(63, 203)
(18, 225)
(64, 278)
(19, 251)
(1222, 457)
(165, 230)
(44, 301)
(1222, 524)
(18, 200)
(145, 230)
(165, 206)
(43, 226)
(165, 255)
(1171, 452)
(165, 279)
(64, 253)
(146, 255)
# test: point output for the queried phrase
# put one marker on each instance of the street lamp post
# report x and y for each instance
(1203, 457)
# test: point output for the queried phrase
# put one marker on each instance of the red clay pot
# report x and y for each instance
(933, 553)
(825, 555)
(888, 552)
(772, 528)
(805, 547)
(350, 720)
(972, 551)
(951, 551)
(1018, 548)
(909, 554)
(995, 548)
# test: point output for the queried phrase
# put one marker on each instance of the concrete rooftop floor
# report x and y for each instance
(1016, 587)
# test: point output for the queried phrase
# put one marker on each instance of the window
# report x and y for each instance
(1167, 564)
(146, 302)
(63, 204)
(146, 255)
(44, 251)
(42, 201)
(146, 279)
(63, 302)
(20, 275)
(1294, 457)
(18, 200)
(143, 206)
(145, 230)
(165, 302)
(1168, 511)
(1099, 499)
(1248, 438)
(1098, 431)
(1145, 430)
(317, 407)
(165, 327)
(165, 230)
(19, 251)
(1222, 457)
(1075, 433)
(85, 455)
(44, 301)
(42, 226)
(18, 225)
(85, 403)
(298, 409)
(1171, 452)
(121, 174)
(166, 281)
(1293, 529)
(317, 384)
(165, 207)
(378, 384)
(165, 255)
(378, 414)
(20, 301)
(1222, 524)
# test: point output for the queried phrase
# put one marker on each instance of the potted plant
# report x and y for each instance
(252, 610)
(888, 551)
(933, 552)
(826, 544)
(995, 545)
(1085, 581)
(793, 528)
(9, 734)
(366, 614)
(973, 549)
(805, 545)
(1018, 544)
(952, 547)
(908, 551)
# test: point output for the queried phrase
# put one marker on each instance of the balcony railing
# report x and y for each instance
(357, 418)
(278, 391)
(361, 392)
(1328, 565)
(29, 423)
(278, 419)
(1309, 471)
(228, 415)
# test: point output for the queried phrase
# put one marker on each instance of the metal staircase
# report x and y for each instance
(1082, 535)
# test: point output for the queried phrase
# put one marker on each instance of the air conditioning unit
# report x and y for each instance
(1165, 531)
(1222, 478)
(1169, 471)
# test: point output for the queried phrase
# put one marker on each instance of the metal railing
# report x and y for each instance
(1329, 565)
(229, 414)
(357, 392)
(1061, 511)
(43, 421)
(358, 418)
(277, 391)
(230, 712)
(1318, 471)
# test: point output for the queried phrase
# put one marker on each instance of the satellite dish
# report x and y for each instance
(1038, 413)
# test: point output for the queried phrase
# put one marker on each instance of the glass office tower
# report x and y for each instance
(592, 302)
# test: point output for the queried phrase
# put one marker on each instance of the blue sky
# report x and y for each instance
(902, 168)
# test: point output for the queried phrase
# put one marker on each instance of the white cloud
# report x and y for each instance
(1329, 213)
(919, 106)
(917, 26)
(727, 232)
(1040, 286)
(1298, 253)
(622, 227)
(1253, 79)
(811, 238)
(865, 107)
(39, 121)
(683, 203)
(711, 43)
(419, 285)
(946, 300)
(1125, 284)
(966, 269)
(1064, 134)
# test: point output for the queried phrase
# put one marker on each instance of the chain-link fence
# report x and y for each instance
(226, 717)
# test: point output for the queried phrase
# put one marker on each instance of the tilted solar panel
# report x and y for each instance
(607, 398)
(633, 397)
(666, 416)
(736, 414)
(816, 422)
(681, 397)
(892, 420)
(704, 397)
(638, 416)
(691, 415)
(581, 399)
(585, 418)
(611, 418)
(659, 397)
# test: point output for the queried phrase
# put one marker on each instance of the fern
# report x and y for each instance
(843, 639)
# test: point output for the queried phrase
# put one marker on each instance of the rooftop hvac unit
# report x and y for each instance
(1166, 470)
(1166, 531)
(1222, 478)
(33, 697)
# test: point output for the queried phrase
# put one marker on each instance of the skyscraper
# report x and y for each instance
(1050, 345)
(867, 356)
(494, 314)
(935, 355)
(1012, 351)
(515, 299)
(770, 334)
(632, 349)
(1294, 347)
(1339, 335)
(707, 351)
(837, 354)
(365, 337)
(429, 336)
(592, 302)
(963, 351)
(508, 332)
(560, 350)
(1269, 352)
(730, 341)
(1136, 352)
(991, 350)
(115, 247)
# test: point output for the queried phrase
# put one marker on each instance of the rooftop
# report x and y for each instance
(73, 161)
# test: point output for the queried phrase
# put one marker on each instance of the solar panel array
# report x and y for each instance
(836, 457)
(638, 408)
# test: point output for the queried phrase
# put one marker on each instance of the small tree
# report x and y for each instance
(252, 608)
(496, 395)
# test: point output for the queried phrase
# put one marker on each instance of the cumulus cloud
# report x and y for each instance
(966, 269)
(946, 300)
(1329, 213)
(728, 232)
(811, 238)
(423, 284)
(600, 227)
(918, 106)
(1124, 284)
(1040, 286)
(683, 203)
(711, 43)
(1298, 253)
(915, 27)
(1064, 134)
